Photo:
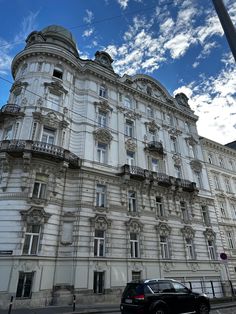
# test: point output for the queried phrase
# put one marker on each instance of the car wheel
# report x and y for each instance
(203, 308)
(159, 310)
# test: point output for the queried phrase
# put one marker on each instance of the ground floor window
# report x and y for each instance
(98, 282)
(136, 275)
(24, 286)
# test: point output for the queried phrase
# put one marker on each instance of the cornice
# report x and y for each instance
(217, 146)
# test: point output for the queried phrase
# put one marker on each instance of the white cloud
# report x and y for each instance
(89, 17)
(88, 32)
(27, 26)
(213, 100)
(179, 45)
(123, 3)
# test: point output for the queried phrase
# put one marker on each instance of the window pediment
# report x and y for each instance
(209, 234)
(103, 135)
(163, 229)
(188, 232)
(101, 222)
(35, 215)
(134, 225)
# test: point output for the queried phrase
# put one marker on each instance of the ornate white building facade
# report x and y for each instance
(221, 167)
(102, 180)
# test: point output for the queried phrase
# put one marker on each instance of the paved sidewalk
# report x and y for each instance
(99, 308)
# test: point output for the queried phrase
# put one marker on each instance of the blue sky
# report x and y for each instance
(178, 42)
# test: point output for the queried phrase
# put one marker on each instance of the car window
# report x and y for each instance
(165, 287)
(154, 287)
(133, 289)
(179, 287)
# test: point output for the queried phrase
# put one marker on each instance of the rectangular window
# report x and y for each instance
(150, 112)
(227, 185)
(102, 91)
(211, 249)
(24, 286)
(189, 249)
(130, 158)
(101, 195)
(40, 186)
(169, 119)
(205, 215)
(217, 183)
(136, 275)
(127, 103)
(129, 128)
(230, 240)
(222, 209)
(221, 162)
(98, 282)
(57, 73)
(233, 209)
(174, 146)
(184, 211)
(67, 232)
(48, 136)
(99, 243)
(102, 153)
(159, 207)
(8, 134)
(155, 165)
(210, 159)
(198, 178)
(132, 201)
(134, 245)
(102, 119)
(53, 101)
(31, 240)
(164, 247)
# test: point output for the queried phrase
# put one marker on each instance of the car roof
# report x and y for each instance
(143, 281)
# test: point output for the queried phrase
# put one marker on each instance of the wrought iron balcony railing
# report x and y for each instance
(10, 108)
(41, 148)
(186, 185)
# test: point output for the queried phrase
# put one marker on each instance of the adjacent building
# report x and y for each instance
(103, 180)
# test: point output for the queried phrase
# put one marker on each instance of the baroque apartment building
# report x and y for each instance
(221, 167)
(103, 180)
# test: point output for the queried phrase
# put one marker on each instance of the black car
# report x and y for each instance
(162, 296)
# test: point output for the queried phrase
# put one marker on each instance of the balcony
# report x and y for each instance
(10, 110)
(135, 172)
(162, 179)
(156, 147)
(44, 150)
(186, 185)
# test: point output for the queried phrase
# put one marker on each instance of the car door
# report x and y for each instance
(167, 295)
(185, 302)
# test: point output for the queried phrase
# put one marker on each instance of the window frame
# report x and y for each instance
(101, 190)
(129, 128)
(99, 243)
(134, 245)
(190, 251)
(31, 236)
(99, 282)
(132, 202)
(102, 150)
(24, 285)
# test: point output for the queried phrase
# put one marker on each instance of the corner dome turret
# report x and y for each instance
(53, 35)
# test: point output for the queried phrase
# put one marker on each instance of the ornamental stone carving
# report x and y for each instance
(177, 160)
(56, 87)
(101, 222)
(103, 105)
(163, 229)
(191, 140)
(196, 165)
(35, 215)
(182, 100)
(209, 234)
(188, 232)
(130, 145)
(174, 132)
(132, 115)
(103, 135)
(134, 225)
(152, 126)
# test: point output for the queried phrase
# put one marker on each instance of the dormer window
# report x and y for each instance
(57, 73)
